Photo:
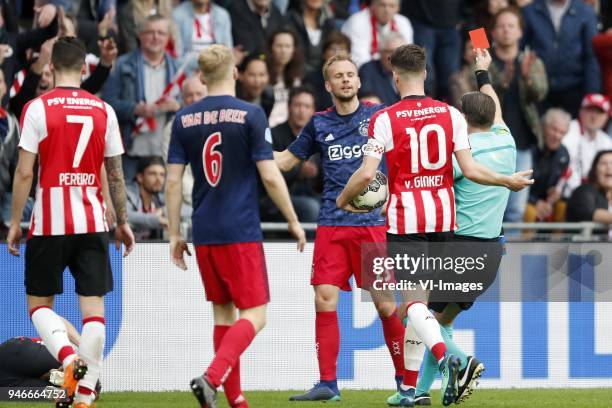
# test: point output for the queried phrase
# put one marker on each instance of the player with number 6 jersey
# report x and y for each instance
(72, 133)
(227, 142)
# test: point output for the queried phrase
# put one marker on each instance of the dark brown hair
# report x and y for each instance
(478, 108)
(293, 70)
(336, 37)
(593, 172)
(68, 54)
(512, 10)
(409, 58)
(147, 161)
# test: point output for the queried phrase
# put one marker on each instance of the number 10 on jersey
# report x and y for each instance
(419, 146)
(212, 159)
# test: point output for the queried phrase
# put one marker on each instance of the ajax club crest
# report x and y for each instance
(363, 127)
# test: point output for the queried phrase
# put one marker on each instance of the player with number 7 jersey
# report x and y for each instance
(72, 133)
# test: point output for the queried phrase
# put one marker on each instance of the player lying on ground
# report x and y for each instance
(339, 135)
(480, 212)
(227, 142)
(73, 133)
(421, 205)
(26, 362)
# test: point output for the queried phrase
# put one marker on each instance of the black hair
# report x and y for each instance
(298, 90)
(147, 161)
(593, 172)
(244, 64)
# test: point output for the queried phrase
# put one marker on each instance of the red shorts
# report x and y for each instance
(234, 273)
(337, 254)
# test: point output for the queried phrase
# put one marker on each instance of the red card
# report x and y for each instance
(479, 38)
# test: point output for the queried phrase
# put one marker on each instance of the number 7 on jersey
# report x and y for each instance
(84, 136)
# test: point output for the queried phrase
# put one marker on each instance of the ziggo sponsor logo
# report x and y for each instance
(339, 152)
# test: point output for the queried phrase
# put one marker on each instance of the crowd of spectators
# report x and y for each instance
(552, 70)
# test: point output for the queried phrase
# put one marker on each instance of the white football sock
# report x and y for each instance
(52, 331)
(425, 325)
(91, 351)
(414, 349)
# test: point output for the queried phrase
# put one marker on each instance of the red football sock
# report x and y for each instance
(438, 351)
(233, 393)
(235, 342)
(327, 333)
(427, 328)
(410, 378)
(393, 330)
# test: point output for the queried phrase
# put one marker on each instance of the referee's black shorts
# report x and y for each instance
(494, 249)
(416, 246)
(85, 255)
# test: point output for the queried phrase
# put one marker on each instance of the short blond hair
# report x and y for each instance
(333, 59)
(216, 63)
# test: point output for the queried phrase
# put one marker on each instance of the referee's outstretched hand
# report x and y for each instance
(483, 59)
(520, 180)
(13, 238)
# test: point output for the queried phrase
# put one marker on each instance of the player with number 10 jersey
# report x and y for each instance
(419, 135)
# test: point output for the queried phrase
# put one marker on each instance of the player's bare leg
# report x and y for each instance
(52, 331)
(327, 337)
(234, 343)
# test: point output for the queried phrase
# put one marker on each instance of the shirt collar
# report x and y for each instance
(415, 97)
(553, 5)
(158, 66)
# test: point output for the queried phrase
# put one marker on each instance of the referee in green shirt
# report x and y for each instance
(480, 212)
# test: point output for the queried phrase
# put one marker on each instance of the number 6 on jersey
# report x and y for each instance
(212, 159)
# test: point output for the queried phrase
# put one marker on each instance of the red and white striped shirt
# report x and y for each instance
(418, 135)
(71, 131)
(203, 32)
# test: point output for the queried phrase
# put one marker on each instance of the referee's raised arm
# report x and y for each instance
(481, 70)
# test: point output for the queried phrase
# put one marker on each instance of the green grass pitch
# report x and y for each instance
(539, 398)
